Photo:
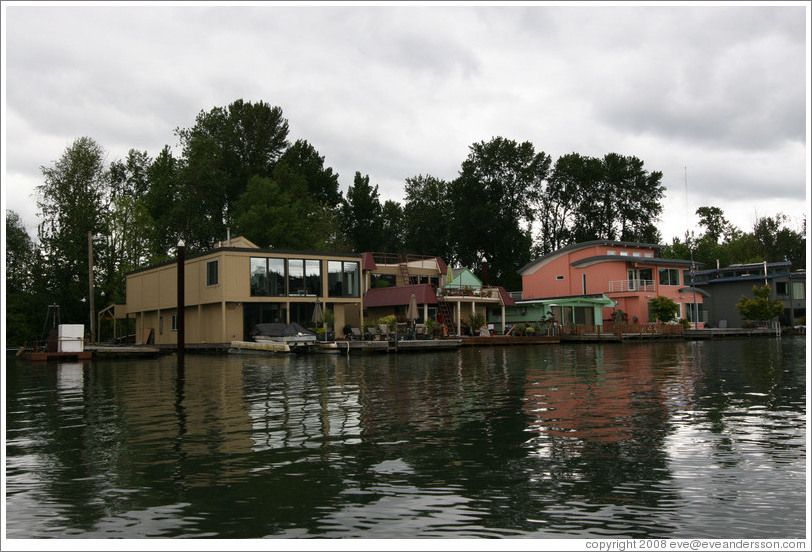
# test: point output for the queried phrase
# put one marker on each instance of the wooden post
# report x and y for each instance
(181, 301)
(90, 279)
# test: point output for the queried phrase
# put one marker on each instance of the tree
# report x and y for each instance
(761, 308)
(21, 307)
(493, 202)
(716, 225)
(277, 212)
(163, 202)
(663, 309)
(128, 221)
(19, 255)
(362, 215)
(221, 152)
(72, 202)
(392, 225)
(427, 225)
(322, 182)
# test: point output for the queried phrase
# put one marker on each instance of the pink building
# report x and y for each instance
(629, 273)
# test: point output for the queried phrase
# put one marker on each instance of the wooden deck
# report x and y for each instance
(44, 356)
(495, 340)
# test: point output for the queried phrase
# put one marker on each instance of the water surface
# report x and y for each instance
(669, 439)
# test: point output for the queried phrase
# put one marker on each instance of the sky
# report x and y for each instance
(713, 95)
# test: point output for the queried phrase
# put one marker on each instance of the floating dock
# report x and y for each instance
(402, 345)
(44, 356)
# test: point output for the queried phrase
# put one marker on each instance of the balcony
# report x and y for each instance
(621, 286)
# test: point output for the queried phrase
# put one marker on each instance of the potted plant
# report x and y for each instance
(431, 324)
(329, 319)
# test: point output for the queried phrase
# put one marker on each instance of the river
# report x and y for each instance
(683, 439)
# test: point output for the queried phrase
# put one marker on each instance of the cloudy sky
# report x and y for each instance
(714, 96)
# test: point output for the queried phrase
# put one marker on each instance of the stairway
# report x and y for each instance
(446, 311)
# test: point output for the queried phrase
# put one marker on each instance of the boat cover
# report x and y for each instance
(278, 329)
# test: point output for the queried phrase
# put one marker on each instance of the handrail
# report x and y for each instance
(618, 286)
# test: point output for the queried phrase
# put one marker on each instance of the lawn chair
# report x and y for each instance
(355, 334)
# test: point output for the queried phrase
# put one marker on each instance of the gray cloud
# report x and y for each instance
(398, 91)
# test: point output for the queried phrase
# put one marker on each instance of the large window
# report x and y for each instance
(304, 277)
(268, 277)
(212, 273)
(669, 277)
(383, 280)
(343, 279)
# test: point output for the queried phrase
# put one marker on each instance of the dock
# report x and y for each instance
(44, 356)
(495, 340)
(399, 346)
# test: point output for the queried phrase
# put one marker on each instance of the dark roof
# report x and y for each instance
(401, 295)
(639, 260)
(259, 252)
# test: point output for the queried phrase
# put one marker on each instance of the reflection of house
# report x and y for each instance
(392, 280)
(726, 286)
(234, 286)
(628, 273)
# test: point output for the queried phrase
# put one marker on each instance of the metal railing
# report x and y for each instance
(618, 286)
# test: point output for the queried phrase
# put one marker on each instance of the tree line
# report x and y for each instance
(237, 170)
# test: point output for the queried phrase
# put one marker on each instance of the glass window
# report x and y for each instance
(174, 322)
(313, 276)
(277, 282)
(352, 279)
(212, 276)
(798, 290)
(669, 277)
(296, 277)
(383, 280)
(343, 279)
(267, 277)
(259, 276)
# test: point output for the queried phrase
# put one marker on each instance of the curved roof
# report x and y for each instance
(583, 245)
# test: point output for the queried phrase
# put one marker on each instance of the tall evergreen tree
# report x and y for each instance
(72, 201)
(362, 215)
(427, 212)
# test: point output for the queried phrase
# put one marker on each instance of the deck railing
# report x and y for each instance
(621, 330)
(619, 286)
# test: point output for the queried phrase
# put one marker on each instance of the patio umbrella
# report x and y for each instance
(317, 314)
(412, 313)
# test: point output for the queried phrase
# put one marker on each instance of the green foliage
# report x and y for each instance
(221, 152)
(389, 320)
(277, 213)
(19, 255)
(662, 309)
(492, 207)
(588, 198)
(431, 323)
(427, 226)
(322, 182)
(73, 201)
(761, 307)
(362, 215)
(475, 321)
(328, 318)
(771, 240)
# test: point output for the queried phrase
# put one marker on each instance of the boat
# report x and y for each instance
(294, 335)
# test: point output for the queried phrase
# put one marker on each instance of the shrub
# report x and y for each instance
(663, 309)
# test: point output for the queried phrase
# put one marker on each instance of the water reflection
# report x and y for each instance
(665, 439)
